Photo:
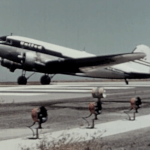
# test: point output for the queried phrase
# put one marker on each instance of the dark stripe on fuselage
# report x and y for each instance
(32, 47)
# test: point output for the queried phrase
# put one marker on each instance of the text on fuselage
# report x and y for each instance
(30, 45)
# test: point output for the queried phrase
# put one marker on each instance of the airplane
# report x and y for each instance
(32, 55)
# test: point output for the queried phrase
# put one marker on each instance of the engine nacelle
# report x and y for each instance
(29, 59)
(98, 93)
(10, 65)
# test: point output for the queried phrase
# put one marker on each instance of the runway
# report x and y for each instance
(29, 93)
(67, 104)
(37, 93)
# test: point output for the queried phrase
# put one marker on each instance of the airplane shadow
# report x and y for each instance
(33, 138)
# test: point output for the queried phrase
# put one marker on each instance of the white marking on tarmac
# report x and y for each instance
(50, 89)
(21, 94)
(81, 134)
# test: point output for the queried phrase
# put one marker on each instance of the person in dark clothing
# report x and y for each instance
(138, 102)
(98, 106)
(42, 115)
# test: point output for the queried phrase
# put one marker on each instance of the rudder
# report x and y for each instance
(145, 49)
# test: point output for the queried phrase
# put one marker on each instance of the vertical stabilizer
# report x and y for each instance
(137, 66)
(145, 49)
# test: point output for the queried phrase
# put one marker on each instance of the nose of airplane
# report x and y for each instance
(3, 38)
(4, 50)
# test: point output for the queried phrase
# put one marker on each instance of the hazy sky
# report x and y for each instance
(98, 26)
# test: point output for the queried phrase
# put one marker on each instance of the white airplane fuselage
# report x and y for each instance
(34, 54)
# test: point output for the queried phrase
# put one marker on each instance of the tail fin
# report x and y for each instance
(145, 49)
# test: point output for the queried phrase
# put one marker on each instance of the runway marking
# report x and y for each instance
(51, 89)
(20, 94)
(71, 87)
(81, 134)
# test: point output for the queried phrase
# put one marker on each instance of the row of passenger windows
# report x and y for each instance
(31, 45)
(25, 44)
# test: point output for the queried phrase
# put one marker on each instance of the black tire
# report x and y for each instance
(45, 80)
(22, 80)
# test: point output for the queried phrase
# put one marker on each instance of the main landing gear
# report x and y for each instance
(22, 80)
(45, 79)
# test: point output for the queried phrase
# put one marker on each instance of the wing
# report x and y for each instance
(83, 64)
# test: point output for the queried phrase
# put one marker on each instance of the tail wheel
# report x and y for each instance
(22, 80)
(45, 80)
(126, 81)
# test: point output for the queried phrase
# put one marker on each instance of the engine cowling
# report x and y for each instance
(10, 65)
(29, 59)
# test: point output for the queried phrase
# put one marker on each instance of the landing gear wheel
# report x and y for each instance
(45, 80)
(22, 80)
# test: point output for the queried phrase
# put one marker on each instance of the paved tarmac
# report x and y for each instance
(79, 134)
(67, 104)
(35, 93)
